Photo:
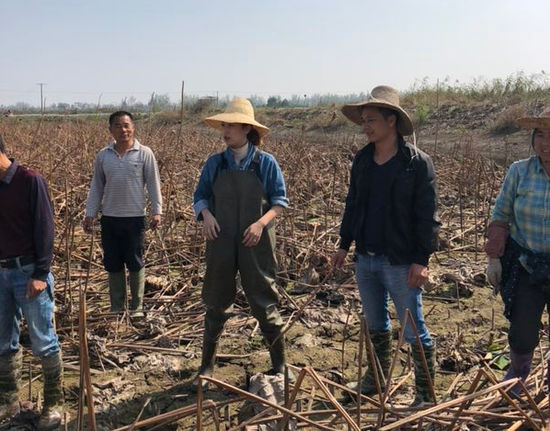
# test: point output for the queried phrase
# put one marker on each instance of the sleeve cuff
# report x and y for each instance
(421, 259)
(345, 243)
(497, 234)
(40, 274)
(279, 200)
(198, 207)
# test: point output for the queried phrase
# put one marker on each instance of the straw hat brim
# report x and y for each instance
(352, 112)
(534, 122)
(234, 117)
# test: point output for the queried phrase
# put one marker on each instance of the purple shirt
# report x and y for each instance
(26, 218)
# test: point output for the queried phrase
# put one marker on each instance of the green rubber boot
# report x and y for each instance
(52, 368)
(382, 346)
(137, 288)
(10, 377)
(422, 381)
(117, 291)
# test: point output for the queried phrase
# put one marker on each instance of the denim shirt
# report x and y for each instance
(270, 172)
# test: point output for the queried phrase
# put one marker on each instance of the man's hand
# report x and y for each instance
(35, 288)
(88, 225)
(494, 274)
(210, 226)
(339, 258)
(417, 276)
(155, 221)
(252, 234)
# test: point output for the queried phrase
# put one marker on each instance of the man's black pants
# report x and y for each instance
(123, 240)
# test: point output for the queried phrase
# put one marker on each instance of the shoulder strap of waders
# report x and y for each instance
(222, 166)
(255, 165)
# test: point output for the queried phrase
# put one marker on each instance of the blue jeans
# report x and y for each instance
(377, 280)
(38, 312)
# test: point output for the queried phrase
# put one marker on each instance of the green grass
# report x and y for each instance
(515, 88)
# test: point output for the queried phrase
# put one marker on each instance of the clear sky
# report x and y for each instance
(119, 48)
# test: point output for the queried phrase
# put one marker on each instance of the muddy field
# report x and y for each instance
(144, 368)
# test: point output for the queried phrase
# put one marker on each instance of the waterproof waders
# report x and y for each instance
(239, 200)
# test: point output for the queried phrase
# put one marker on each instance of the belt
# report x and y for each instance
(16, 262)
(373, 254)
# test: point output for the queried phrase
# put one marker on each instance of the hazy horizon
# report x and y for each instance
(86, 50)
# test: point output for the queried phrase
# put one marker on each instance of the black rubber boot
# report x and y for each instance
(208, 361)
(276, 347)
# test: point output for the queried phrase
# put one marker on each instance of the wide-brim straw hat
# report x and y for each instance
(382, 96)
(240, 110)
(541, 121)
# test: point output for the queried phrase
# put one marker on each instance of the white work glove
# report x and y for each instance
(494, 274)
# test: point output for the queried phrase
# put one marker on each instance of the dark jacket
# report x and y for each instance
(412, 220)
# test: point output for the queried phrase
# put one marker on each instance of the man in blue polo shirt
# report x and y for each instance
(26, 287)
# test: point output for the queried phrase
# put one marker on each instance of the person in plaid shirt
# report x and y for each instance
(518, 246)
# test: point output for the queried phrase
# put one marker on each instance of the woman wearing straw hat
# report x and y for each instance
(391, 214)
(240, 193)
(518, 246)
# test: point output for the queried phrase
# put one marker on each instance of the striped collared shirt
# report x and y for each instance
(524, 203)
(119, 182)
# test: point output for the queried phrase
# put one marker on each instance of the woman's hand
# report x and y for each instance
(210, 226)
(252, 234)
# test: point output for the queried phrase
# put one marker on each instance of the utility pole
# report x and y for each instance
(41, 96)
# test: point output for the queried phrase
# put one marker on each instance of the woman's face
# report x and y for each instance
(234, 134)
(541, 144)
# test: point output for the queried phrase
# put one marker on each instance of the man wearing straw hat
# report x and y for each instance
(391, 214)
(240, 193)
(518, 246)
(26, 287)
(122, 172)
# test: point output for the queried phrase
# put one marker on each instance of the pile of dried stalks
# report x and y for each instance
(316, 170)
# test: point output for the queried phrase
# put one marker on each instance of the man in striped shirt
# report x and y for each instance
(122, 172)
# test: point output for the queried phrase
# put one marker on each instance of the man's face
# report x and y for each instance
(234, 134)
(541, 143)
(375, 126)
(122, 129)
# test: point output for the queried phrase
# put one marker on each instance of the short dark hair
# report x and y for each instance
(386, 112)
(119, 114)
(254, 137)
(2, 145)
